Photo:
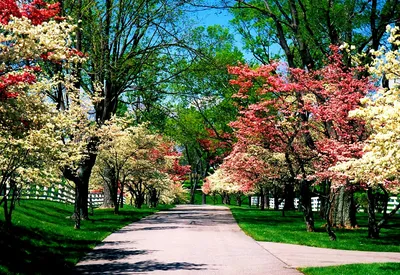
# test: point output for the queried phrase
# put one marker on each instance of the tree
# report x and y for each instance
(132, 158)
(303, 115)
(33, 141)
(221, 183)
(303, 29)
(377, 169)
(203, 103)
(132, 46)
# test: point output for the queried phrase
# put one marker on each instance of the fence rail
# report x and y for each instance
(315, 203)
(60, 193)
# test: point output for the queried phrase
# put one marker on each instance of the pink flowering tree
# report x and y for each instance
(302, 115)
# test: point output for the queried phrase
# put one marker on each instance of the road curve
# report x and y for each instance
(188, 239)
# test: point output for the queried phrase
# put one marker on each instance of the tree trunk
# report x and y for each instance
(77, 206)
(80, 178)
(239, 199)
(116, 208)
(342, 210)
(262, 197)
(139, 200)
(305, 200)
(373, 229)
(289, 197)
(324, 199)
(121, 197)
(7, 215)
(193, 190)
(226, 199)
(108, 201)
(9, 201)
(203, 198)
(153, 197)
(276, 202)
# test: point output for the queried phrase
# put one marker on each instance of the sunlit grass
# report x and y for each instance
(355, 269)
(270, 226)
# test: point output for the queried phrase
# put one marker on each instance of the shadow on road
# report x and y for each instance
(188, 216)
(111, 254)
(144, 266)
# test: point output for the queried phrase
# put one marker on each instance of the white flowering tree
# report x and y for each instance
(36, 139)
(132, 158)
(379, 167)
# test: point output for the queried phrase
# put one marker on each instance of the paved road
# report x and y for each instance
(184, 240)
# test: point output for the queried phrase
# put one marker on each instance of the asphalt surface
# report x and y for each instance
(185, 240)
(192, 239)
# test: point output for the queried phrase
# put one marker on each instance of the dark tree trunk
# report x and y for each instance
(121, 197)
(139, 200)
(325, 216)
(193, 190)
(239, 199)
(249, 198)
(77, 206)
(203, 198)
(324, 200)
(343, 209)
(262, 198)
(153, 195)
(108, 201)
(305, 201)
(116, 208)
(226, 199)
(9, 201)
(276, 202)
(373, 229)
(289, 197)
(7, 214)
(80, 178)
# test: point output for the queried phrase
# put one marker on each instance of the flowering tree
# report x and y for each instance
(221, 183)
(302, 115)
(35, 138)
(132, 158)
(378, 167)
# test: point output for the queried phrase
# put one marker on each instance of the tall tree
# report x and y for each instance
(301, 31)
(322, 96)
(129, 46)
(204, 106)
(35, 138)
(377, 170)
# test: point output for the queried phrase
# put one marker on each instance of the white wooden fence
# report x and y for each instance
(315, 203)
(60, 193)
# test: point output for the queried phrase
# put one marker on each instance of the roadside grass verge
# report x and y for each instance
(355, 269)
(270, 226)
(42, 237)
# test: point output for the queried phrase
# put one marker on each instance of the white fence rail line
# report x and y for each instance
(60, 193)
(315, 203)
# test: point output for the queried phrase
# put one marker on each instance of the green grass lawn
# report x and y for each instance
(355, 269)
(272, 227)
(43, 237)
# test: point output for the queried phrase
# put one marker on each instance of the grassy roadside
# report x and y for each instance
(272, 227)
(355, 269)
(43, 236)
